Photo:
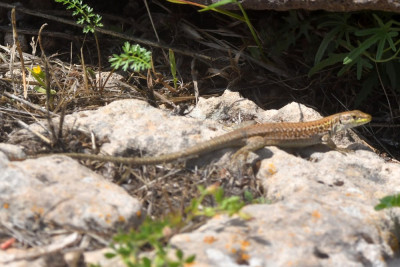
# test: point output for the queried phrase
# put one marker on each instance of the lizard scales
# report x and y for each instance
(254, 137)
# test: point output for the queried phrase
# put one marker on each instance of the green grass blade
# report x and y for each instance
(361, 49)
(331, 60)
(172, 63)
(218, 4)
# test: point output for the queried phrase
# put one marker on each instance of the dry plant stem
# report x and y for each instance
(106, 80)
(48, 96)
(384, 91)
(36, 107)
(21, 57)
(85, 79)
(39, 135)
(151, 20)
(194, 77)
(26, 55)
(158, 95)
(11, 67)
(59, 35)
(385, 125)
(10, 80)
(149, 90)
(147, 185)
(58, 137)
(9, 110)
(46, 61)
(164, 99)
(101, 86)
(159, 76)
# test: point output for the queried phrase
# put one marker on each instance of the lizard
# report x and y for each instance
(254, 137)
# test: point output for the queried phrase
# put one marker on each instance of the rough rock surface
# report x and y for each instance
(322, 214)
(329, 5)
(322, 203)
(56, 190)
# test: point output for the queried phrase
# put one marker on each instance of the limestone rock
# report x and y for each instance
(59, 191)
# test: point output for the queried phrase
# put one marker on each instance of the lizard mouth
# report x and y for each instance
(364, 120)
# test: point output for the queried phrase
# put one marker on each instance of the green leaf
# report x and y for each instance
(388, 202)
(173, 66)
(174, 264)
(345, 68)
(361, 49)
(335, 20)
(190, 259)
(219, 195)
(179, 254)
(146, 262)
(209, 211)
(324, 44)
(248, 196)
(201, 189)
(218, 4)
(380, 22)
(39, 77)
(221, 11)
(331, 60)
(134, 57)
(379, 50)
(109, 255)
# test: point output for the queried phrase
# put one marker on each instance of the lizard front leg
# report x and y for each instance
(327, 140)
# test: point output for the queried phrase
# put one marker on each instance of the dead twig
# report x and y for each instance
(29, 104)
(21, 57)
(39, 135)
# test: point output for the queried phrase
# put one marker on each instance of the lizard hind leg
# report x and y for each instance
(252, 144)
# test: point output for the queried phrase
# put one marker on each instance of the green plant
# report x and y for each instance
(86, 14)
(154, 234)
(215, 7)
(134, 57)
(364, 47)
(172, 63)
(224, 205)
(249, 198)
(370, 47)
(92, 21)
(150, 234)
(292, 27)
(40, 77)
(388, 202)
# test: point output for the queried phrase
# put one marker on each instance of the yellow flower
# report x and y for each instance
(37, 69)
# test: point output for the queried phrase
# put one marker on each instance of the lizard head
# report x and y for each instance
(350, 119)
